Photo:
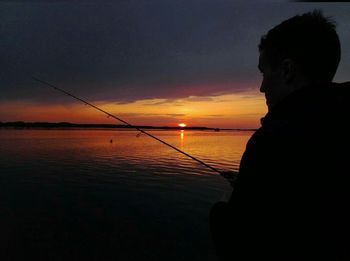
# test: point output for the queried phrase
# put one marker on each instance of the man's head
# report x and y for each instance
(303, 50)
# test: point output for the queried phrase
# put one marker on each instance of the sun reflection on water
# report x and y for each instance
(182, 135)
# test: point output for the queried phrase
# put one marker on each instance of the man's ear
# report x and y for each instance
(289, 68)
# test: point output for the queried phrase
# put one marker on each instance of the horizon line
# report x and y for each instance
(39, 124)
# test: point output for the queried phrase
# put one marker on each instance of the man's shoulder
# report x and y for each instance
(343, 85)
(341, 94)
(266, 138)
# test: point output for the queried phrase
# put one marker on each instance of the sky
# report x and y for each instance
(149, 62)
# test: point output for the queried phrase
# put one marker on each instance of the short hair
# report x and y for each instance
(310, 40)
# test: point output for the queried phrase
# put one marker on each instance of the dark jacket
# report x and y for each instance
(291, 198)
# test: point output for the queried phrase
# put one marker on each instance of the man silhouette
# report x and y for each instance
(291, 197)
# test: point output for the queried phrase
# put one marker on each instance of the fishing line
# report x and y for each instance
(128, 124)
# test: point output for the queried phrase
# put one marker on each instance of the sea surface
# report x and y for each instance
(111, 194)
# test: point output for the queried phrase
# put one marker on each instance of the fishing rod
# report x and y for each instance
(224, 174)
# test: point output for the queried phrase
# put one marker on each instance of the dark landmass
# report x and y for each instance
(68, 125)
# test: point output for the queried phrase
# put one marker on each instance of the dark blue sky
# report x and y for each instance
(128, 50)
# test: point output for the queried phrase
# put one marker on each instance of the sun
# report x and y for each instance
(182, 125)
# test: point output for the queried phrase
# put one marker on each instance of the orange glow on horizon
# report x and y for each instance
(241, 110)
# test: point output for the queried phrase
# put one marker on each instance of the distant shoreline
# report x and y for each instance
(68, 125)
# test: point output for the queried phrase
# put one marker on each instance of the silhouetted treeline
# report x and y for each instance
(68, 125)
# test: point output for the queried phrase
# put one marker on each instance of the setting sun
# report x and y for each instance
(182, 125)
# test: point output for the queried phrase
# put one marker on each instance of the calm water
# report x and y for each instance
(74, 195)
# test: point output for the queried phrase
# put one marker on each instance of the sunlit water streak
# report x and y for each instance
(74, 194)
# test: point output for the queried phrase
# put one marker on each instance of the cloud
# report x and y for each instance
(216, 115)
(153, 114)
(124, 51)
